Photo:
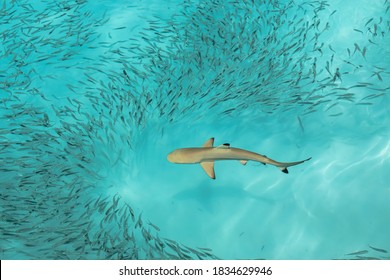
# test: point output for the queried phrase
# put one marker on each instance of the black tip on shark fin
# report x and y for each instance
(284, 170)
(224, 146)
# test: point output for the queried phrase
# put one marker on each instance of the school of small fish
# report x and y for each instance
(73, 98)
(371, 253)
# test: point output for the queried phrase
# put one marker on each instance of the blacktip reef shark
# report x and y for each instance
(208, 154)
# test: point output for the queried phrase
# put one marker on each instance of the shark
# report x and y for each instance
(208, 154)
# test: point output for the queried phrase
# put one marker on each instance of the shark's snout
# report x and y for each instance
(177, 156)
(170, 157)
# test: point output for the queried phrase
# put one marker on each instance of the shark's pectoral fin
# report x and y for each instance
(243, 162)
(208, 166)
(209, 143)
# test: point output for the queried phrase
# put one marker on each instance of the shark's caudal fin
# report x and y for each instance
(283, 166)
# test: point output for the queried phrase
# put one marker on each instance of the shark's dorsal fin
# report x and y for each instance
(209, 143)
(208, 166)
(224, 146)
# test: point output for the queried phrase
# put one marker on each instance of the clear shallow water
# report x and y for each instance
(95, 95)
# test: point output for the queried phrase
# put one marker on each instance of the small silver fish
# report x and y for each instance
(358, 253)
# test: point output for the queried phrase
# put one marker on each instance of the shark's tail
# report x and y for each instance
(283, 165)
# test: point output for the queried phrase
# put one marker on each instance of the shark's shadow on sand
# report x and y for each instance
(209, 196)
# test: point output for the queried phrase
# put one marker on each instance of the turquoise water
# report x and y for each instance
(95, 94)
